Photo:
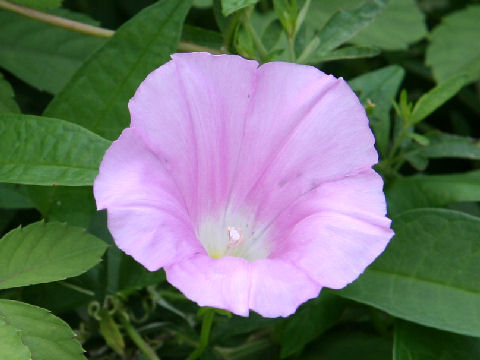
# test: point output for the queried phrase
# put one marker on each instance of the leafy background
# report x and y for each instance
(66, 292)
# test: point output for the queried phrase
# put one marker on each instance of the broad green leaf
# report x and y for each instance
(348, 52)
(11, 346)
(419, 191)
(202, 3)
(46, 336)
(43, 55)
(202, 36)
(398, 25)
(344, 24)
(12, 196)
(7, 103)
(230, 6)
(44, 151)
(97, 95)
(454, 45)
(39, 4)
(73, 205)
(442, 145)
(428, 273)
(349, 345)
(437, 96)
(272, 34)
(421, 343)
(309, 322)
(59, 297)
(379, 88)
(46, 252)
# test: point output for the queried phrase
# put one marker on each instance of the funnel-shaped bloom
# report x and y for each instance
(251, 186)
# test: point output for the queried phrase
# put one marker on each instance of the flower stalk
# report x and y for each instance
(207, 322)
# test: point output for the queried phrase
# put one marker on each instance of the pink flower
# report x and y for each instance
(251, 186)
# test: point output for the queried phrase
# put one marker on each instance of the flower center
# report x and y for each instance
(233, 235)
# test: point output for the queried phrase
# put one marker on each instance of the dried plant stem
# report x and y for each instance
(85, 28)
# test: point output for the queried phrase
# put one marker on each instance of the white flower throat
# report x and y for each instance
(233, 235)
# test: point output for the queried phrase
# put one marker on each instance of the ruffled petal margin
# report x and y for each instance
(270, 287)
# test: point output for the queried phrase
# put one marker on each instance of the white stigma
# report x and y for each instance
(233, 234)
(235, 239)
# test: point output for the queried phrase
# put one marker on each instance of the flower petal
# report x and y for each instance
(191, 111)
(223, 283)
(334, 249)
(146, 214)
(153, 237)
(279, 288)
(306, 128)
(338, 229)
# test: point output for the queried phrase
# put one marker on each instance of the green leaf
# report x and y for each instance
(348, 52)
(309, 322)
(11, 346)
(349, 345)
(7, 103)
(437, 96)
(272, 34)
(97, 95)
(59, 297)
(202, 36)
(429, 272)
(419, 191)
(39, 4)
(344, 24)
(73, 205)
(422, 343)
(110, 332)
(202, 3)
(379, 88)
(48, 56)
(12, 196)
(454, 45)
(46, 336)
(44, 151)
(398, 25)
(236, 325)
(442, 145)
(230, 6)
(46, 252)
(287, 12)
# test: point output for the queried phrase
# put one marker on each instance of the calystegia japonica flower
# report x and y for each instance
(252, 186)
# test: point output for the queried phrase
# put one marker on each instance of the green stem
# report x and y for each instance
(204, 334)
(256, 40)
(136, 338)
(77, 288)
(291, 48)
(85, 28)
